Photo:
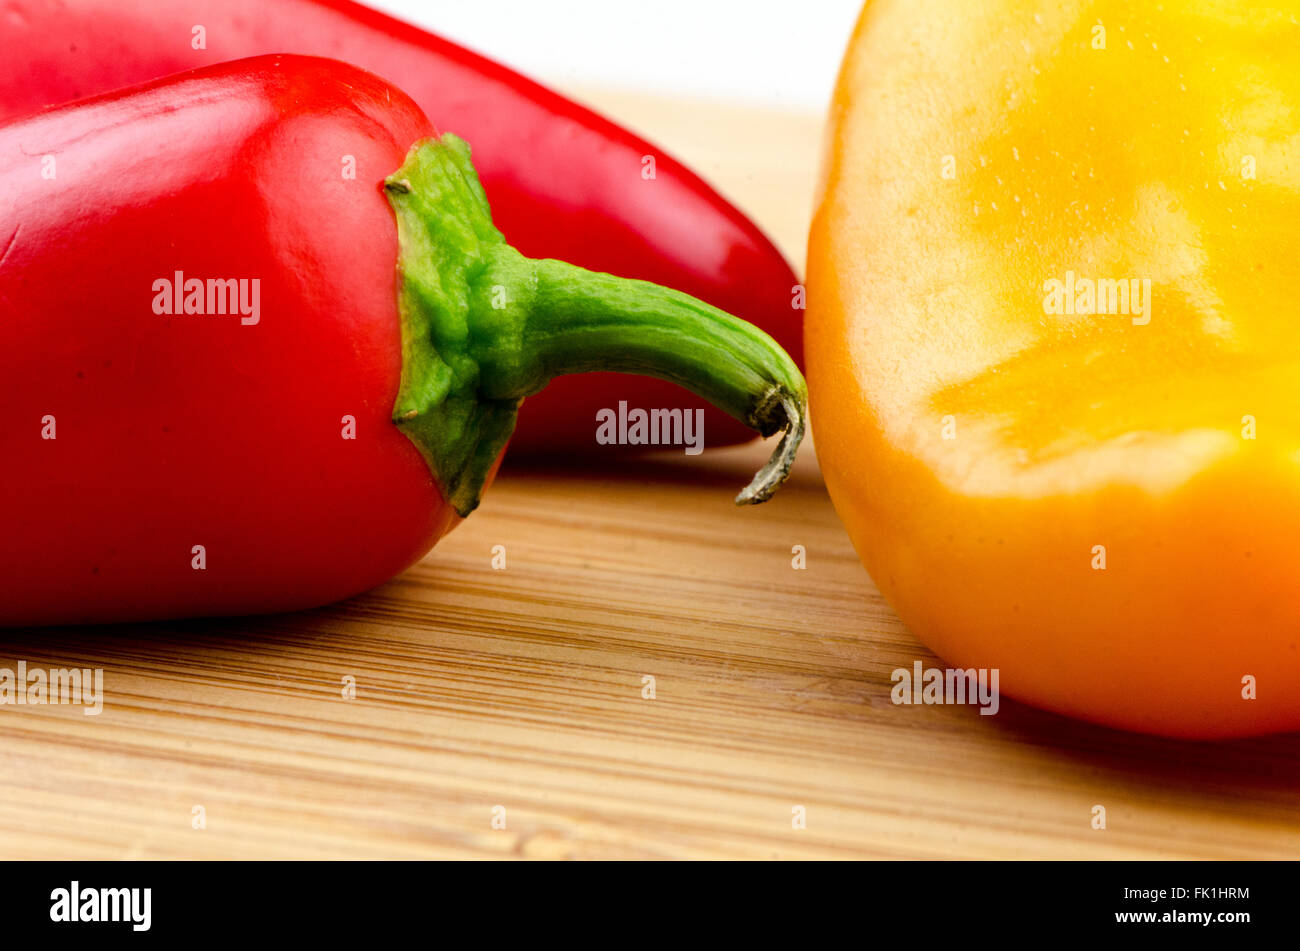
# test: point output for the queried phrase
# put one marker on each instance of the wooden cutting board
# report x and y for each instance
(505, 712)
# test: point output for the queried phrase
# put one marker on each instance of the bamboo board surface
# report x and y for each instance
(523, 688)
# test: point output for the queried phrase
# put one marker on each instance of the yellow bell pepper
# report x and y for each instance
(1052, 339)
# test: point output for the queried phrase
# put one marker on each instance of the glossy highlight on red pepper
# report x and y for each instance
(564, 182)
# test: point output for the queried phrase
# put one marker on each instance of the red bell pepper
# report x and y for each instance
(215, 398)
(564, 182)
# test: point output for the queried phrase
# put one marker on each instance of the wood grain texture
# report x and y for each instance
(523, 687)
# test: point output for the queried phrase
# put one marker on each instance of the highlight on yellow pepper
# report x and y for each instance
(1052, 336)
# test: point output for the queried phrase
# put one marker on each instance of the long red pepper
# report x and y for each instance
(563, 182)
(215, 398)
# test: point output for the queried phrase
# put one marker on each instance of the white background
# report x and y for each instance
(772, 52)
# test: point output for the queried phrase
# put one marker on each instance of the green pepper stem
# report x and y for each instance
(583, 321)
(483, 327)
